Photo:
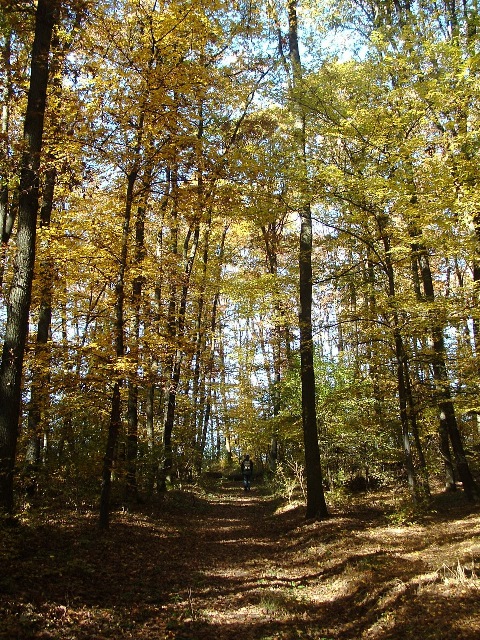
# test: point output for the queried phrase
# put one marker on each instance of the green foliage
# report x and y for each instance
(288, 481)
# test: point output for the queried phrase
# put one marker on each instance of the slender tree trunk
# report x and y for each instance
(424, 486)
(171, 389)
(206, 398)
(5, 99)
(371, 304)
(402, 399)
(202, 353)
(178, 356)
(316, 505)
(113, 430)
(39, 396)
(150, 425)
(115, 413)
(177, 332)
(400, 366)
(280, 330)
(131, 489)
(444, 444)
(442, 384)
(132, 408)
(20, 292)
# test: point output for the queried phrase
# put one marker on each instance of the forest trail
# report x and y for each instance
(225, 564)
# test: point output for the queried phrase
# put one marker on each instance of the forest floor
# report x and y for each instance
(223, 564)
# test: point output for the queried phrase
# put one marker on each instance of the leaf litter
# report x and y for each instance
(221, 565)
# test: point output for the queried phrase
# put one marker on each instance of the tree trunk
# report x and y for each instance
(20, 292)
(316, 505)
(271, 236)
(401, 368)
(177, 333)
(132, 410)
(115, 413)
(445, 452)
(114, 427)
(402, 398)
(442, 383)
(171, 360)
(424, 486)
(208, 375)
(5, 99)
(39, 396)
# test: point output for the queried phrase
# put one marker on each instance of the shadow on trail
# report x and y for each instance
(222, 566)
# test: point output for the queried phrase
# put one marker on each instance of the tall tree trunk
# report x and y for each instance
(209, 348)
(150, 425)
(442, 382)
(401, 368)
(316, 505)
(113, 430)
(41, 374)
(5, 99)
(198, 386)
(189, 253)
(171, 360)
(20, 292)
(271, 237)
(371, 310)
(132, 407)
(115, 413)
(424, 486)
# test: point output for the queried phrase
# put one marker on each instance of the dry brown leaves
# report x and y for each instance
(227, 564)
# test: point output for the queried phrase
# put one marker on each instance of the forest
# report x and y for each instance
(237, 228)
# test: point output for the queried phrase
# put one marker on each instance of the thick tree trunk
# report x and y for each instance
(316, 505)
(20, 292)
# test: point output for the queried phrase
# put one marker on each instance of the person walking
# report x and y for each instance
(247, 472)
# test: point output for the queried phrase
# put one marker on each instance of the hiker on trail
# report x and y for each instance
(247, 471)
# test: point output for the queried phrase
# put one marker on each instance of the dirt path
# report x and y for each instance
(225, 565)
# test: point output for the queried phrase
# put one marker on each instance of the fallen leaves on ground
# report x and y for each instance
(225, 565)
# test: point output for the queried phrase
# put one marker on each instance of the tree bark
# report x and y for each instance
(6, 96)
(115, 413)
(20, 293)
(177, 332)
(419, 491)
(39, 395)
(316, 505)
(132, 409)
(114, 427)
(442, 384)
